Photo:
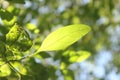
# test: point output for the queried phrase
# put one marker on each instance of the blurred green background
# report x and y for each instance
(40, 17)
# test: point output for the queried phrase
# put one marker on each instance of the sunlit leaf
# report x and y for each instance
(4, 70)
(21, 68)
(8, 17)
(10, 22)
(64, 37)
(12, 9)
(79, 56)
(18, 39)
(76, 56)
(31, 26)
(13, 35)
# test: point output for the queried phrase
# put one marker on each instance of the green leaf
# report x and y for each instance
(8, 18)
(75, 56)
(79, 56)
(10, 22)
(13, 35)
(5, 15)
(64, 37)
(21, 68)
(18, 39)
(4, 70)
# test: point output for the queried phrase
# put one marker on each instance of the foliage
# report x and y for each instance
(63, 37)
(17, 56)
(37, 20)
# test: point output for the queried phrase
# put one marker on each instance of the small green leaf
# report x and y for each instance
(4, 70)
(21, 68)
(64, 37)
(13, 35)
(8, 18)
(75, 56)
(79, 56)
(18, 39)
(10, 22)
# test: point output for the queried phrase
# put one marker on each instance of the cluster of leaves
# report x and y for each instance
(40, 17)
(16, 55)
